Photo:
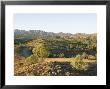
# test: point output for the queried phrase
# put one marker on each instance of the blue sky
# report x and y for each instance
(68, 23)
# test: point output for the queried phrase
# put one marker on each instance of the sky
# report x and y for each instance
(64, 22)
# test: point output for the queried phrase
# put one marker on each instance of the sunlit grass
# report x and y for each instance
(66, 60)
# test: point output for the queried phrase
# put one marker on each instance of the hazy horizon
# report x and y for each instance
(66, 23)
(59, 32)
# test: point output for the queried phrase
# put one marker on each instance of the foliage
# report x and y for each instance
(31, 60)
(39, 52)
(52, 69)
(22, 40)
(41, 45)
(61, 55)
(79, 64)
(84, 55)
(58, 43)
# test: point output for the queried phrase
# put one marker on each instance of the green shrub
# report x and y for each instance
(78, 63)
(61, 55)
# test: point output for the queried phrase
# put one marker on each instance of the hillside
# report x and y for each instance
(40, 53)
(56, 43)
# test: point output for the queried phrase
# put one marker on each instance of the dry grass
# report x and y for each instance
(66, 60)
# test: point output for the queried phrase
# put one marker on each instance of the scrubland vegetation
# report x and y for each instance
(39, 53)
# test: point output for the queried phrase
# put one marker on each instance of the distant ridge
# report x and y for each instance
(41, 32)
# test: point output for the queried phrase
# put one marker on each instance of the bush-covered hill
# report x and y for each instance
(57, 44)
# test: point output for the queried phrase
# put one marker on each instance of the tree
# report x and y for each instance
(40, 52)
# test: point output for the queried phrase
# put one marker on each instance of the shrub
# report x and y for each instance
(84, 56)
(79, 64)
(61, 55)
(31, 60)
